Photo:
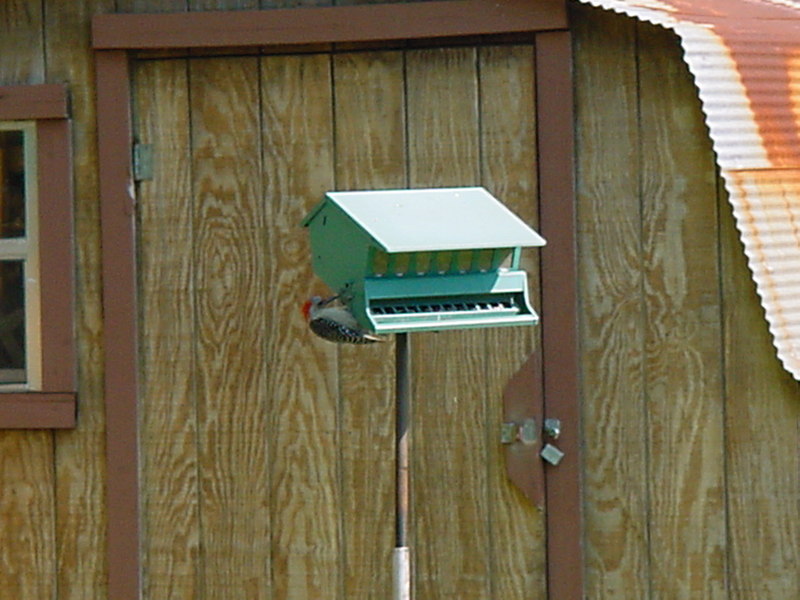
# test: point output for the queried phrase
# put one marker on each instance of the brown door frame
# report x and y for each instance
(115, 36)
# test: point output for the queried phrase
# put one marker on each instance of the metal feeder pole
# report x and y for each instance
(402, 553)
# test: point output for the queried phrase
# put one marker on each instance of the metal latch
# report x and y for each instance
(524, 432)
(552, 429)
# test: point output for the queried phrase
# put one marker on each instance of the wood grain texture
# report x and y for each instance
(21, 42)
(28, 562)
(150, 6)
(27, 517)
(231, 386)
(369, 117)
(683, 374)
(762, 419)
(168, 410)
(611, 312)
(80, 463)
(450, 531)
(508, 170)
(306, 497)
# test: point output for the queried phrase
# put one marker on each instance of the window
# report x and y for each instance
(37, 354)
(19, 273)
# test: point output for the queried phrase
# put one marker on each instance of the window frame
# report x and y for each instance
(25, 249)
(48, 399)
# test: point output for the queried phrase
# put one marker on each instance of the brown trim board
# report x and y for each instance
(120, 333)
(358, 23)
(56, 263)
(559, 311)
(37, 410)
(114, 35)
(32, 102)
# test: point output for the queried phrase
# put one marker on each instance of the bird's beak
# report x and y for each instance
(328, 300)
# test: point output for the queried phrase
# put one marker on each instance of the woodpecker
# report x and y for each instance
(335, 323)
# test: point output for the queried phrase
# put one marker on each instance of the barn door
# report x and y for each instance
(266, 454)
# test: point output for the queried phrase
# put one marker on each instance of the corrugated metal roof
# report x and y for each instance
(745, 58)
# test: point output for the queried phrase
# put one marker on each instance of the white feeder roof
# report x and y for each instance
(434, 219)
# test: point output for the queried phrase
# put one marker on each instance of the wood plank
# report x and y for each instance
(56, 256)
(199, 5)
(560, 351)
(762, 413)
(369, 117)
(272, 4)
(508, 170)
(450, 529)
(683, 375)
(231, 386)
(325, 25)
(150, 6)
(22, 42)
(80, 462)
(305, 479)
(120, 352)
(43, 101)
(27, 508)
(28, 563)
(168, 411)
(612, 316)
(30, 410)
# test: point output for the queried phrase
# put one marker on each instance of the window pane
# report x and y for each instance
(12, 184)
(12, 321)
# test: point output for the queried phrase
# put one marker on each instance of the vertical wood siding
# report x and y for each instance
(368, 91)
(273, 482)
(270, 450)
(27, 475)
(306, 492)
(168, 311)
(52, 515)
(686, 495)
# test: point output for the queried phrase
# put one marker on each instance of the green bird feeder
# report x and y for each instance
(423, 260)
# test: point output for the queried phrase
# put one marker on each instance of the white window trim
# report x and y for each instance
(27, 250)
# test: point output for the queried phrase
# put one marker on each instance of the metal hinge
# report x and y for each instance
(142, 162)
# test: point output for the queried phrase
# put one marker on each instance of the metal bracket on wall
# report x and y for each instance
(524, 432)
(520, 433)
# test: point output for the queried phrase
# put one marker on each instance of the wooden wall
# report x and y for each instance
(52, 516)
(692, 472)
(267, 453)
(692, 467)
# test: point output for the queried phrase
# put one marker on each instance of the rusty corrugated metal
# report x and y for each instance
(745, 58)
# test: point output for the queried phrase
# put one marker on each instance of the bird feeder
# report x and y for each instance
(423, 260)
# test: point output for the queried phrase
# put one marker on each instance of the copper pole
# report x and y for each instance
(402, 559)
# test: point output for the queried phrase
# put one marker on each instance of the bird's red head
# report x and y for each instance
(306, 309)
